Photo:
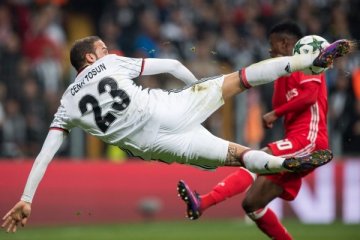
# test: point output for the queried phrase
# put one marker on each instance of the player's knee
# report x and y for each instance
(253, 208)
(254, 215)
(250, 204)
(247, 205)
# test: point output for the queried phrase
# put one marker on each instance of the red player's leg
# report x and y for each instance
(262, 192)
(269, 224)
(233, 184)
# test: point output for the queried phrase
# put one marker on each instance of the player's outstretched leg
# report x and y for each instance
(335, 50)
(191, 199)
(269, 70)
(308, 162)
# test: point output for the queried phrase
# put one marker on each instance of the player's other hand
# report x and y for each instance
(19, 214)
(269, 119)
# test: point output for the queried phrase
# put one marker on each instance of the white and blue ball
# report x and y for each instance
(311, 44)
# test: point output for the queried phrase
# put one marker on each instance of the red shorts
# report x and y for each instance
(291, 146)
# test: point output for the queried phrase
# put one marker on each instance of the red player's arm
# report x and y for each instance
(307, 95)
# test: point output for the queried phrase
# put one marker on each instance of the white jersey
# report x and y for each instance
(151, 124)
(104, 101)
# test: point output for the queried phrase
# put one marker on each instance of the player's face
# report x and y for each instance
(276, 45)
(100, 49)
(280, 45)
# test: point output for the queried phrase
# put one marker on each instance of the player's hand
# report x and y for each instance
(269, 119)
(19, 214)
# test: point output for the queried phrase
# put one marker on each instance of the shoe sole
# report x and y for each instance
(308, 162)
(335, 50)
(188, 197)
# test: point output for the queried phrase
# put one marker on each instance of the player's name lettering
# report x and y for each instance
(291, 94)
(92, 73)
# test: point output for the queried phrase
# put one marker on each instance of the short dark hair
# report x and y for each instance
(287, 27)
(80, 48)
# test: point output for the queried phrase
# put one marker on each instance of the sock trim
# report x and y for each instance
(241, 158)
(243, 80)
(253, 175)
(257, 214)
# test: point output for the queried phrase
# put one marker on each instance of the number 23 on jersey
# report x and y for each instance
(121, 101)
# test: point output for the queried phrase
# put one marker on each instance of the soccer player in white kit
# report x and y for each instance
(155, 124)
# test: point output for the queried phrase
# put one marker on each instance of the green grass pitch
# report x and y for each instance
(182, 230)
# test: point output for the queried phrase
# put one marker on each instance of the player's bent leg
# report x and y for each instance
(254, 160)
(262, 162)
(262, 192)
(233, 184)
(267, 221)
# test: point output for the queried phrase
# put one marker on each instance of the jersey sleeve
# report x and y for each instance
(306, 95)
(51, 145)
(154, 66)
(61, 120)
(132, 66)
(302, 78)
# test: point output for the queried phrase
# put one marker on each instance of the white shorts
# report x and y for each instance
(180, 137)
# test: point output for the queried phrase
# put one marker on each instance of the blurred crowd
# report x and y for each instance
(210, 37)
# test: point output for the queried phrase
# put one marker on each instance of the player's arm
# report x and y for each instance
(152, 66)
(307, 96)
(20, 213)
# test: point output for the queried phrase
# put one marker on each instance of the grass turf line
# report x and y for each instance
(180, 230)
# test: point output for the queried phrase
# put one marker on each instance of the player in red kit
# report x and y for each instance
(302, 101)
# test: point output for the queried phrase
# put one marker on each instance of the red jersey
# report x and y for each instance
(302, 100)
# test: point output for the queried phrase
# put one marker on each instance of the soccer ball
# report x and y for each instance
(311, 44)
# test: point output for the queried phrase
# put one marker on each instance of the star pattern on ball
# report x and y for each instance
(316, 45)
(297, 47)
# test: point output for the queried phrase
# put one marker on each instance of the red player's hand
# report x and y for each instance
(269, 119)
